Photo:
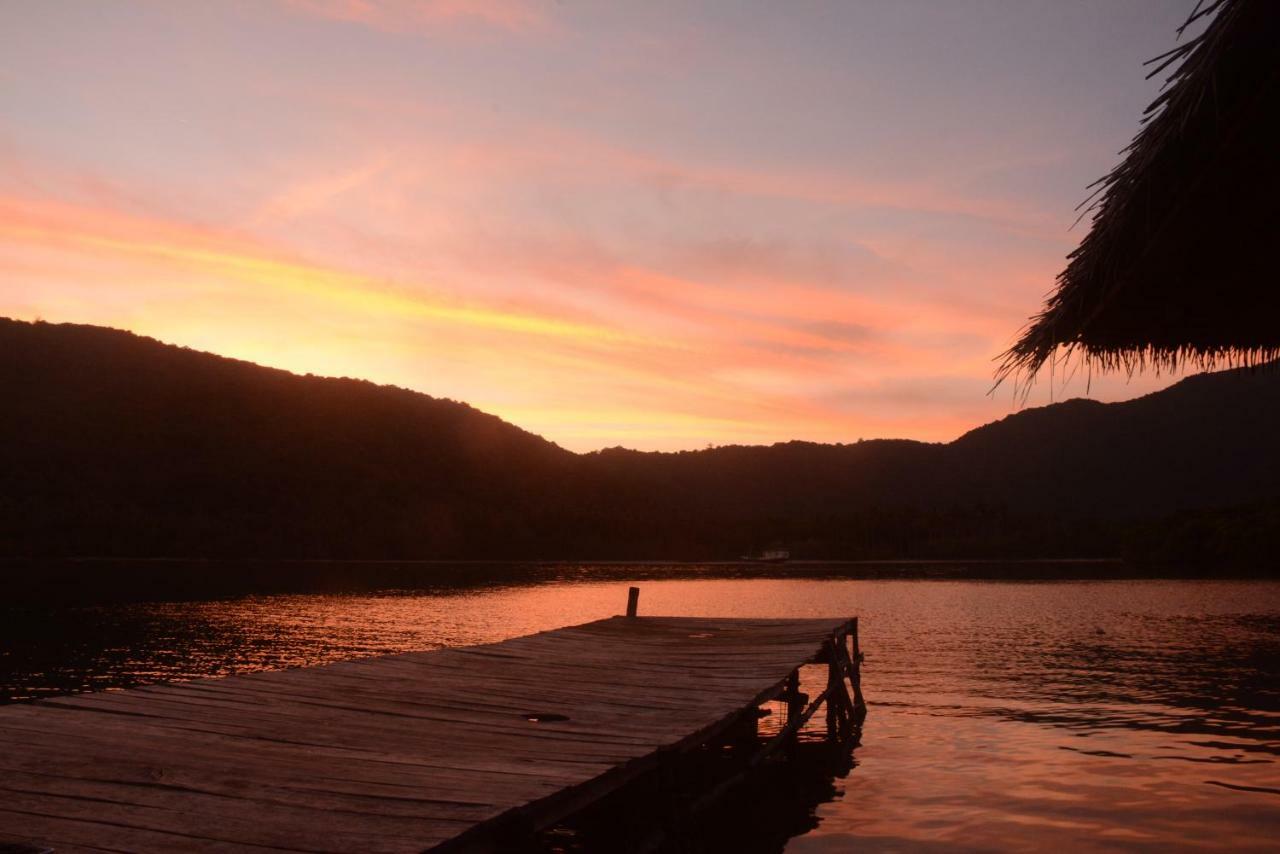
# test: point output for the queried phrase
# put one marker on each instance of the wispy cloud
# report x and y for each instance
(651, 224)
(738, 378)
(415, 15)
(98, 231)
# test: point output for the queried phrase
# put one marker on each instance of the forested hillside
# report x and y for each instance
(117, 445)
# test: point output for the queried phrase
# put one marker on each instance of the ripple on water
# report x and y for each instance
(1083, 715)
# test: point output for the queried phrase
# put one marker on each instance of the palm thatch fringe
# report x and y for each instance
(1178, 268)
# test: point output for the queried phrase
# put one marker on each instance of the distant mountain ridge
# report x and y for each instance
(117, 445)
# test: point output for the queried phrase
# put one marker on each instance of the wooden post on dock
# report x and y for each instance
(633, 601)
(835, 716)
(843, 712)
(855, 676)
(794, 703)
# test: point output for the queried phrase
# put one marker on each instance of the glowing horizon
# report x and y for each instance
(605, 225)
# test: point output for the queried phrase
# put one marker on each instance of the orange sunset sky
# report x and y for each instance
(659, 225)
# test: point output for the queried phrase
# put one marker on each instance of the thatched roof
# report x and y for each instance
(1180, 263)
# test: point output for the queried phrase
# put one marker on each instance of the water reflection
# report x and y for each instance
(702, 802)
(1095, 715)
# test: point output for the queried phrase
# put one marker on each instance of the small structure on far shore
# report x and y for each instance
(773, 555)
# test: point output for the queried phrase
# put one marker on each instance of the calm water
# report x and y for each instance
(1083, 715)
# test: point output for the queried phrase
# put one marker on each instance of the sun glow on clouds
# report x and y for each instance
(413, 15)
(538, 221)
(743, 379)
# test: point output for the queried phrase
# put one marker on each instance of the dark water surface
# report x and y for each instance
(1082, 715)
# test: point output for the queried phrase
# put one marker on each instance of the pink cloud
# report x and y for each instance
(399, 16)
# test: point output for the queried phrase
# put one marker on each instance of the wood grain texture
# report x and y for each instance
(392, 754)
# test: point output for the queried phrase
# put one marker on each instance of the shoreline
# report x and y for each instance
(102, 580)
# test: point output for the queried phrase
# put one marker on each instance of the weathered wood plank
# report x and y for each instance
(398, 753)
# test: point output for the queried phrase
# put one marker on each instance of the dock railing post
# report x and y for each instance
(633, 601)
(855, 678)
(844, 713)
(834, 708)
(795, 705)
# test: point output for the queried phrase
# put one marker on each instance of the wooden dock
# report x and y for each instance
(455, 749)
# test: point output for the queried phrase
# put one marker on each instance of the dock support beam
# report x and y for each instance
(855, 673)
(844, 725)
(844, 712)
(633, 601)
(834, 716)
(795, 702)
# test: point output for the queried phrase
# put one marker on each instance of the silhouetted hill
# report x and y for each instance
(118, 444)
(113, 444)
(1205, 441)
